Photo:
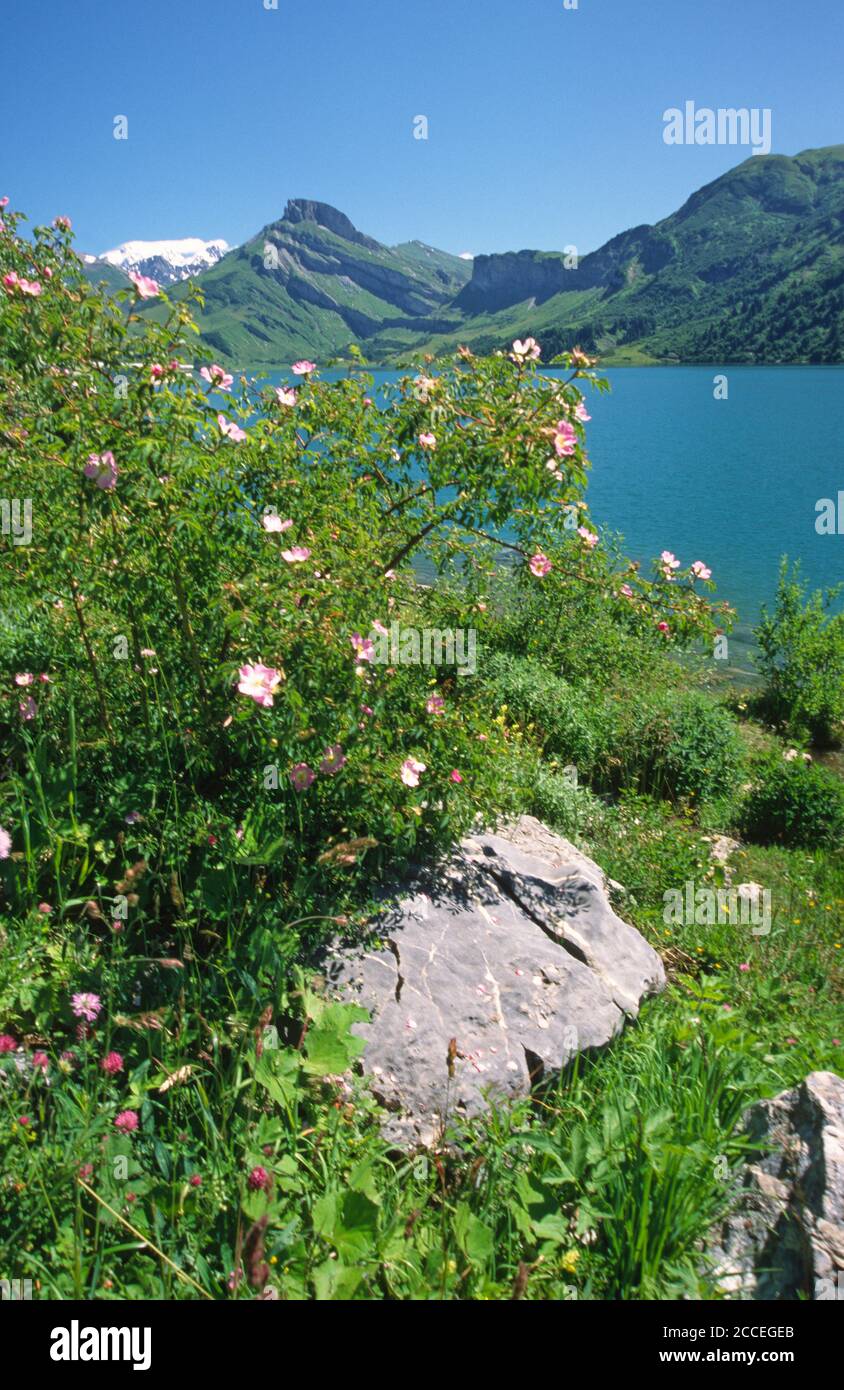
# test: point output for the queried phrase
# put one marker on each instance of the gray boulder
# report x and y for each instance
(488, 977)
(785, 1239)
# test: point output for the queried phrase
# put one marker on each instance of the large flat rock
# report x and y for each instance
(514, 952)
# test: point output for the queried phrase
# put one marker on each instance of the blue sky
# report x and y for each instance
(545, 124)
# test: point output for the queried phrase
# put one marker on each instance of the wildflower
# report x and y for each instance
(62, 224)
(588, 537)
(86, 1170)
(31, 287)
(527, 351)
(27, 709)
(260, 683)
(428, 441)
(217, 376)
(540, 565)
(7, 1043)
(301, 777)
(700, 570)
(40, 1060)
(663, 627)
(286, 395)
(23, 1120)
(126, 1121)
(435, 704)
(271, 522)
(5, 843)
(364, 647)
(303, 368)
(625, 591)
(296, 554)
(333, 760)
(744, 967)
(455, 776)
(410, 770)
(565, 438)
(230, 429)
(112, 1063)
(195, 1180)
(259, 1179)
(87, 1006)
(145, 287)
(25, 678)
(102, 470)
(581, 413)
(669, 563)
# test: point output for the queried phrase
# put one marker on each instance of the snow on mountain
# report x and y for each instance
(166, 261)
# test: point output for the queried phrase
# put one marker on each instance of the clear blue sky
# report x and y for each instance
(545, 123)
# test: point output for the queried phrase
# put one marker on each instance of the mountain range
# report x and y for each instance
(749, 269)
(165, 261)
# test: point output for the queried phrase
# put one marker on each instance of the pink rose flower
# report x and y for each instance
(145, 287)
(102, 470)
(303, 368)
(296, 554)
(333, 759)
(217, 376)
(700, 570)
(286, 395)
(5, 843)
(455, 776)
(565, 439)
(260, 683)
(527, 351)
(540, 565)
(301, 776)
(410, 771)
(364, 647)
(271, 522)
(230, 429)
(428, 441)
(435, 704)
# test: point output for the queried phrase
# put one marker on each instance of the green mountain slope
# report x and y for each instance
(311, 284)
(750, 269)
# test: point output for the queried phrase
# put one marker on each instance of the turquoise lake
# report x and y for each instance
(732, 482)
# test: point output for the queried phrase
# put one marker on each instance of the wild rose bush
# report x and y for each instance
(212, 562)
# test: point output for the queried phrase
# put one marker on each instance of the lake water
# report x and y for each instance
(732, 482)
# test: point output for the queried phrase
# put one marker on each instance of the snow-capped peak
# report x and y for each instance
(166, 261)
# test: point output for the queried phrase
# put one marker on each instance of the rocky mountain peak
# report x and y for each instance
(306, 210)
